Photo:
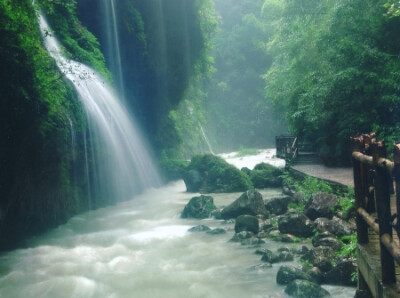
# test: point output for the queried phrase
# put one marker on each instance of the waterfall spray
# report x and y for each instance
(122, 161)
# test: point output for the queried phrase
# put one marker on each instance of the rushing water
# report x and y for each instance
(123, 164)
(141, 248)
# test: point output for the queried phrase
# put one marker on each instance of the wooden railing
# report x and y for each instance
(286, 147)
(373, 184)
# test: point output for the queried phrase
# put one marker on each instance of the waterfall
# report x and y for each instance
(122, 161)
(112, 36)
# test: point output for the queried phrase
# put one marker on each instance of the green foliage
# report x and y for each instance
(334, 72)
(346, 202)
(307, 186)
(349, 245)
(215, 175)
(264, 175)
(297, 206)
(37, 111)
(393, 8)
(79, 43)
(237, 112)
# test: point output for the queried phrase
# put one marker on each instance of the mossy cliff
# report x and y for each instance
(38, 109)
(44, 176)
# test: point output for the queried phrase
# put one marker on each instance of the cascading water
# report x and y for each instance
(112, 37)
(123, 163)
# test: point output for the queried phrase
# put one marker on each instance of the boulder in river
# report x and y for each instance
(277, 206)
(209, 173)
(247, 223)
(320, 256)
(249, 203)
(296, 224)
(199, 207)
(342, 274)
(335, 226)
(265, 175)
(286, 274)
(305, 289)
(320, 205)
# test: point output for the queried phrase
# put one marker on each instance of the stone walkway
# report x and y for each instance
(340, 175)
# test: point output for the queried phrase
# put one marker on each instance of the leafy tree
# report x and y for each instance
(334, 71)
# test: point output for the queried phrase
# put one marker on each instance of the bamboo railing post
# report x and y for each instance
(382, 192)
(359, 192)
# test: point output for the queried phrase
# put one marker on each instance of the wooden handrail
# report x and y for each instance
(370, 155)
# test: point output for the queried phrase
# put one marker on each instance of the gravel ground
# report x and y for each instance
(340, 175)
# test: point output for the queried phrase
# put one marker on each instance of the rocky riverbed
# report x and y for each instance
(313, 229)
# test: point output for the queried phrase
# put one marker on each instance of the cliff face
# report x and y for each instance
(159, 42)
(38, 109)
(45, 167)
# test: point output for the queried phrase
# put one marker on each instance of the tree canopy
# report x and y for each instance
(335, 70)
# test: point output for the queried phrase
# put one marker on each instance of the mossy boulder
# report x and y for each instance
(249, 203)
(199, 207)
(209, 173)
(305, 289)
(265, 175)
(247, 223)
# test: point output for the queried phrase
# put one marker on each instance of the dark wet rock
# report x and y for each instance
(265, 175)
(253, 241)
(286, 274)
(261, 267)
(277, 206)
(249, 203)
(320, 205)
(305, 289)
(200, 228)
(342, 273)
(283, 248)
(285, 256)
(296, 224)
(324, 264)
(324, 240)
(270, 257)
(275, 257)
(262, 234)
(238, 237)
(199, 207)
(299, 197)
(335, 226)
(247, 223)
(274, 234)
(217, 231)
(261, 251)
(301, 250)
(216, 213)
(266, 224)
(289, 190)
(316, 274)
(288, 238)
(209, 173)
(318, 255)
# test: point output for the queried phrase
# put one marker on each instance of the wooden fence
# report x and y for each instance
(374, 175)
(286, 147)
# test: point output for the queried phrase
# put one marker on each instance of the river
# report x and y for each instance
(141, 248)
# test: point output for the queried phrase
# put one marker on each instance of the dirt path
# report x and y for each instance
(340, 175)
